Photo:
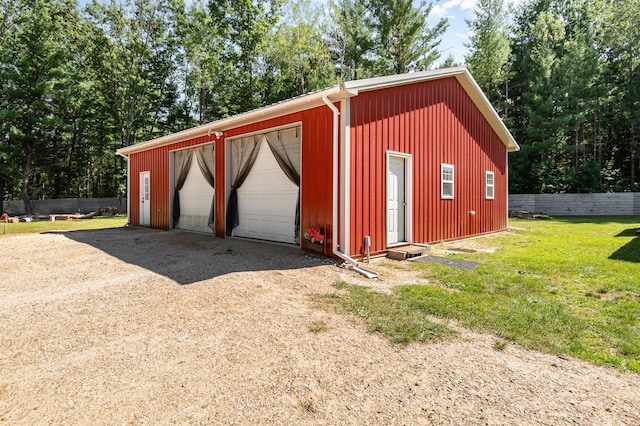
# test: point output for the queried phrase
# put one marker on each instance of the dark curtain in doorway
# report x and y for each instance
(206, 161)
(285, 146)
(248, 149)
(182, 164)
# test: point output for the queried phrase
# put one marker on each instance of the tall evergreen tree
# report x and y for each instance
(622, 35)
(351, 39)
(297, 57)
(8, 153)
(204, 68)
(449, 62)
(38, 54)
(489, 49)
(135, 56)
(566, 112)
(403, 39)
(244, 25)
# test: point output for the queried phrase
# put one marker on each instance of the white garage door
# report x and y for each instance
(267, 200)
(196, 197)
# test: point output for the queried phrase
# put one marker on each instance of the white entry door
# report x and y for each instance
(397, 200)
(145, 205)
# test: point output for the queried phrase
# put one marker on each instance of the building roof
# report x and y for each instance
(336, 93)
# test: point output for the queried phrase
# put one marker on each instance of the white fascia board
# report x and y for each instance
(401, 79)
(300, 103)
(480, 100)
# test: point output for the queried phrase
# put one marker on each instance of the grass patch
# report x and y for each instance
(39, 227)
(500, 345)
(318, 327)
(388, 314)
(308, 406)
(569, 286)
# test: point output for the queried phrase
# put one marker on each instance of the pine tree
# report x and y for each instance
(297, 58)
(244, 25)
(489, 49)
(449, 62)
(403, 39)
(37, 54)
(351, 39)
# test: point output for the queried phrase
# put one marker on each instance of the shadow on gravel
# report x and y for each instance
(189, 257)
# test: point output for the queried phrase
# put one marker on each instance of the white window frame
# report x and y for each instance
(443, 181)
(488, 186)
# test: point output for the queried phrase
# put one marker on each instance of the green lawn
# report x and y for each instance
(570, 285)
(63, 225)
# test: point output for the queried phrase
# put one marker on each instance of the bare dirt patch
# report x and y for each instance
(135, 326)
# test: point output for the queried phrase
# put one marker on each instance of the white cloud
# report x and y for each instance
(464, 36)
(462, 4)
(468, 5)
(437, 12)
(445, 9)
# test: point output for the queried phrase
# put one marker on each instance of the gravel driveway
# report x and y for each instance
(138, 326)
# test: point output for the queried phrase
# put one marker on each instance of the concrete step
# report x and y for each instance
(406, 252)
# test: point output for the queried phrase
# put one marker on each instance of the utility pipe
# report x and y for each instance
(334, 245)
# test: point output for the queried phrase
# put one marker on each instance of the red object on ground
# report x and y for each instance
(313, 234)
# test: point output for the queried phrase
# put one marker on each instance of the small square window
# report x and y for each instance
(489, 185)
(446, 178)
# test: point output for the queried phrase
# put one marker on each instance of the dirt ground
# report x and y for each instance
(136, 326)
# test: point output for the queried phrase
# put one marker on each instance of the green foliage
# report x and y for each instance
(297, 60)
(40, 227)
(351, 39)
(403, 41)
(450, 62)
(35, 53)
(573, 96)
(387, 315)
(489, 48)
(75, 85)
(568, 286)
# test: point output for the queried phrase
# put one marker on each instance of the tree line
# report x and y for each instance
(77, 83)
(565, 76)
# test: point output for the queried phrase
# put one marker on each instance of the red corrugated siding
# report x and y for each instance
(316, 180)
(156, 161)
(435, 122)
(316, 196)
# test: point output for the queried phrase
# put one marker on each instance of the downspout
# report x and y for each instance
(506, 174)
(353, 264)
(126, 157)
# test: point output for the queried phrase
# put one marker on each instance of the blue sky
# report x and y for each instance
(456, 11)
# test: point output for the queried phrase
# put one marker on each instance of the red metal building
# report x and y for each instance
(411, 158)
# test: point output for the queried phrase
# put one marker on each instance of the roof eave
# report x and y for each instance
(486, 109)
(301, 103)
(335, 93)
(401, 79)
